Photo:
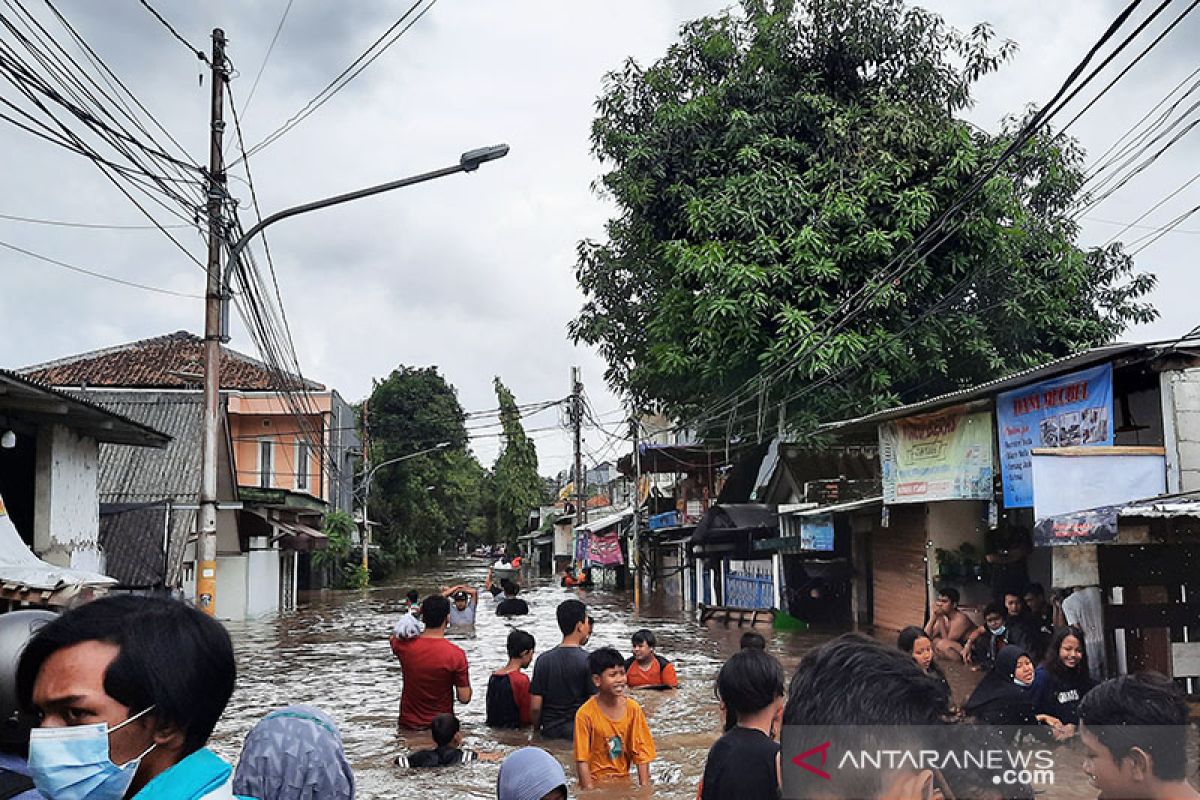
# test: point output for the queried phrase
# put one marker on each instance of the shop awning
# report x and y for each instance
(300, 538)
(594, 526)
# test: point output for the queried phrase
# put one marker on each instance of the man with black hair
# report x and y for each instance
(752, 640)
(647, 669)
(1134, 731)
(448, 750)
(561, 678)
(141, 681)
(986, 641)
(745, 761)
(511, 605)
(1040, 615)
(876, 697)
(1021, 630)
(435, 670)
(948, 625)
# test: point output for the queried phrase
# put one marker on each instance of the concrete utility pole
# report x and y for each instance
(206, 539)
(636, 554)
(577, 428)
(366, 465)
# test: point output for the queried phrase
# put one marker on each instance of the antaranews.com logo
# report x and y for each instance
(867, 762)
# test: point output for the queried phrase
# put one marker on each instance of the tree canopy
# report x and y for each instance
(518, 488)
(778, 160)
(424, 501)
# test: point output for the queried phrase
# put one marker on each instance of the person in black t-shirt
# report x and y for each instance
(744, 762)
(511, 605)
(562, 681)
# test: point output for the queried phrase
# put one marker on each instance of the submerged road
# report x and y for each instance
(333, 653)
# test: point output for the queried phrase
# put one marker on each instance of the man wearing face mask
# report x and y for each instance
(128, 690)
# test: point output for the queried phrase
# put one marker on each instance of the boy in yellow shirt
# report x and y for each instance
(610, 729)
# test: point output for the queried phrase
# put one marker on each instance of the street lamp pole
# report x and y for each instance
(366, 565)
(216, 314)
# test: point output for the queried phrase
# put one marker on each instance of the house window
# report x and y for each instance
(302, 466)
(265, 463)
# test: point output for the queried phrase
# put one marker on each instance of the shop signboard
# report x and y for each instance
(1069, 411)
(816, 532)
(941, 456)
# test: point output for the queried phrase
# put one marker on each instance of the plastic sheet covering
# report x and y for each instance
(19, 565)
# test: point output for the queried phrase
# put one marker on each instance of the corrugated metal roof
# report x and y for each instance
(136, 474)
(984, 390)
(99, 422)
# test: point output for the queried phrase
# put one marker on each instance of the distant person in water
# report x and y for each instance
(562, 680)
(448, 750)
(435, 670)
(511, 605)
(646, 668)
(463, 602)
(752, 640)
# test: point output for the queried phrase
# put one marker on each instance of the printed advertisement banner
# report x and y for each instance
(1068, 411)
(605, 549)
(1077, 527)
(816, 533)
(942, 456)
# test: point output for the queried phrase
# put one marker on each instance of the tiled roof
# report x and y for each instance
(173, 361)
(139, 474)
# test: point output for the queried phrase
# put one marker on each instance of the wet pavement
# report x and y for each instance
(333, 653)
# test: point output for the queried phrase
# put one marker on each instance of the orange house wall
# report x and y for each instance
(273, 421)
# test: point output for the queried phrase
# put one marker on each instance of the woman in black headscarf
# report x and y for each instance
(1003, 696)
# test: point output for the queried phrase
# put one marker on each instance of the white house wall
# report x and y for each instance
(66, 506)
(1181, 428)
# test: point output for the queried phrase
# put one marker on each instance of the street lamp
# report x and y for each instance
(370, 476)
(216, 316)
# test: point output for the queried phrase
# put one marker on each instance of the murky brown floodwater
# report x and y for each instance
(333, 653)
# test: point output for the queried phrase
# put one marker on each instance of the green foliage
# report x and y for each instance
(339, 528)
(518, 488)
(772, 164)
(426, 501)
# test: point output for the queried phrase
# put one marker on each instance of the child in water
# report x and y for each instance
(447, 735)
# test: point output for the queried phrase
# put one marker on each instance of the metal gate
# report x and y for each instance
(750, 584)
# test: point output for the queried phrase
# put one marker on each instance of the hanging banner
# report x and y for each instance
(942, 456)
(605, 549)
(1068, 411)
(1077, 527)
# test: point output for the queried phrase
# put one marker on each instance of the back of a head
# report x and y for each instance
(444, 727)
(870, 697)
(509, 587)
(1144, 710)
(519, 642)
(412, 596)
(294, 753)
(853, 680)
(172, 656)
(530, 774)
(750, 681)
(435, 609)
(753, 639)
(570, 613)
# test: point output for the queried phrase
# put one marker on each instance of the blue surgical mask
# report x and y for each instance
(1020, 682)
(999, 631)
(73, 762)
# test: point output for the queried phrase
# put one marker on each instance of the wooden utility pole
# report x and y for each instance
(206, 539)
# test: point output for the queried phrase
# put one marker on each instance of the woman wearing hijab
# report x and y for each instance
(1003, 696)
(294, 753)
(1061, 682)
(531, 774)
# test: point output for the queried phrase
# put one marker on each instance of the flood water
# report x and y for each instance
(333, 653)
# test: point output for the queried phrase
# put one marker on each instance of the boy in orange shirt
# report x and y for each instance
(647, 669)
(611, 732)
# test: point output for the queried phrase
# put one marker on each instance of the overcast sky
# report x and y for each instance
(473, 273)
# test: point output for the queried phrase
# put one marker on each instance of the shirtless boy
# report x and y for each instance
(948, 626)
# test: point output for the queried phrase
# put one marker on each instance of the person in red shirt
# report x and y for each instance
(435, 670)
(508, 688)
(647, 669)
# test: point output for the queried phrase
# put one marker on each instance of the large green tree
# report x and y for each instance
(426, 501)
(775, 162)
(517, 486)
